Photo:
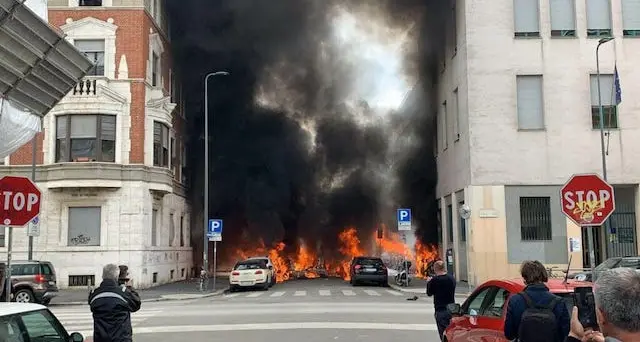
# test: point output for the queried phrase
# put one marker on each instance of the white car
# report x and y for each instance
(272, 270)
(250, 273)
(32, 322)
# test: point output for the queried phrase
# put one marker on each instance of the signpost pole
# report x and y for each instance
(7, 281)
(592, 253)
(215, 263)
(33, 178)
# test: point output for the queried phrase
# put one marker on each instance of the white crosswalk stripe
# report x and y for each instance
(255, 294)
(395, 293)
(348, 293)
(324, 293)
(277, 294)
(371, 292)
(81, 319)
(300, 293)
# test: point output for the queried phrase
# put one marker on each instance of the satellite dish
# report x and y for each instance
(465, 211)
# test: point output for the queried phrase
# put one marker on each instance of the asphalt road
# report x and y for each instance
(311, 310)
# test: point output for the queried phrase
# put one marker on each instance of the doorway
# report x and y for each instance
(586, 261)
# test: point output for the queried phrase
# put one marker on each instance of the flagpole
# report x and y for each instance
(604, 160)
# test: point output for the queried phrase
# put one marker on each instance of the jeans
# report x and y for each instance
(443, 317)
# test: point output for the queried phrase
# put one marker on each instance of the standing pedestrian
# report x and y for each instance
(112, 305)
(442, 287)
(535, 314)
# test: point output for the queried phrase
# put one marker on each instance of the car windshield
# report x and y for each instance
(249, 266)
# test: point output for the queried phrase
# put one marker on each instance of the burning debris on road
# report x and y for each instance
(307, 263)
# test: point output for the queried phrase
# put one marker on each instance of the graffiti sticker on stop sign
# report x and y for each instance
(19, 201)
(587, 200)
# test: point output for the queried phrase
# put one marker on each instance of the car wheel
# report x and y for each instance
(24, 296)
(266, 286)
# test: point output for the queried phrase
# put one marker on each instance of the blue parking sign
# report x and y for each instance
(215, 228)
(404, 219)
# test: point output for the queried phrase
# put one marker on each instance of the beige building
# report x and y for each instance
(111, 158)
(518, 115)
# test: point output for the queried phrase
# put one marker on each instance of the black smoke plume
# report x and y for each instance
(268, 178)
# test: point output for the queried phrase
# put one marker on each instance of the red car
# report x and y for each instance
(481, 316)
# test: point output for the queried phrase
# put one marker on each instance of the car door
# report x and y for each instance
(463, 325)
(485, 324)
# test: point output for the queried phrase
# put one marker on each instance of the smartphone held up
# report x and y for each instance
(585, 301)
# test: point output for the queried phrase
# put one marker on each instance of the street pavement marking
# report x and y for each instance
(348, 293)
(231, 295)
(255, 294)
(277, 294)
(281, 326)
(371, 292)
(324, 292)
(395, 293)
(300, 293)
(81, 318)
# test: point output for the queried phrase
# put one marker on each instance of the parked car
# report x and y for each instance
(32, 281)
(270, 267)
(32, 322)
(368, 269)
(250, 273)
(481, 316)
(631, 262)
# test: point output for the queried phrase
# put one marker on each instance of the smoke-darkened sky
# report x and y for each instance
(308, 132)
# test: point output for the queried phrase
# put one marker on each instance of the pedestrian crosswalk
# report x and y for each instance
(81, 319)
(319, 292)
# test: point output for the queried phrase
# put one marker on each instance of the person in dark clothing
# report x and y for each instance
(534, 275)
(442, 287)
(112, 305)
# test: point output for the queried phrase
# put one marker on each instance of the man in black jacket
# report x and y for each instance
(112, 305)
(443, 288)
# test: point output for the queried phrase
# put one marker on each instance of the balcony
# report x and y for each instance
(93, 3)
(87, 87)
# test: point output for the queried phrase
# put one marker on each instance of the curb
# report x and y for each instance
(417, 291)
(153, 300)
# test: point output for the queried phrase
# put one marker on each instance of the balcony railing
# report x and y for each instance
(90, 2)
(86, 87)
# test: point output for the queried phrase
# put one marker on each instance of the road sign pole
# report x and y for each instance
(215, 263)
(7, 272)
(592, 252)
(33, 178)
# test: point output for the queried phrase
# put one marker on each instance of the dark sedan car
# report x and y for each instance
(366, 269)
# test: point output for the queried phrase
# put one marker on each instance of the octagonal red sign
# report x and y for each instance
(587, 200)
(19, 201)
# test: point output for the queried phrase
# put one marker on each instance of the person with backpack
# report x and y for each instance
(535, 314)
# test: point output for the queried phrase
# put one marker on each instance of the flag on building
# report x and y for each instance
(616, 83)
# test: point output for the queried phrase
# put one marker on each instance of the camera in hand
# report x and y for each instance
(123, 278)
(585, 301)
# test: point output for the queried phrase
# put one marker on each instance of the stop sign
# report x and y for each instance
(587, 200)
(19, 201)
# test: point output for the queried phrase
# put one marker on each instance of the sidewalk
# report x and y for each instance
(181, 290)
(419, 286)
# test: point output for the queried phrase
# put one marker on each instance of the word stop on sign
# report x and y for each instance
(18, 201)
(572, 197)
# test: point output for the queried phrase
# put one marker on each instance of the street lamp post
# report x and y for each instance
(205, 213)
(592, 255)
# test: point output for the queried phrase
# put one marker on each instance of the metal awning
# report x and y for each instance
(38, 67)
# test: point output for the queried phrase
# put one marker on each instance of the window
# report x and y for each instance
(154, 277)
(474, 303)
(631, 18)
(174, 161)
(450, 223)
(154, 228)
(94, 50)
(172, 86)
(90, 2)
(85, 138)
(84, 226)
(456, 111)
(42, 326)
(530, 102)
(160, 144)
(463, 225)
(608, 96)
(172, 230)
(535, 218)
(181, 231)
(526, 18)
(2, 236)
(82, 280)
(155, 72)
(598, 18)
(630, 263)
(563, 18)
(498, 303)
(445, 126)
(25, 269)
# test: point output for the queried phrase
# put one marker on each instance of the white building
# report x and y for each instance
(517, 116)
(111, 157)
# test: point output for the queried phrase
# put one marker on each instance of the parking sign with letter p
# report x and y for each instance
(404, 219)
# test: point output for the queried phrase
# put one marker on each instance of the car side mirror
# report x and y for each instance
(454, 309)
(76, 337)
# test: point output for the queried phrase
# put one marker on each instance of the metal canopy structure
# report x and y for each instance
(38, 67)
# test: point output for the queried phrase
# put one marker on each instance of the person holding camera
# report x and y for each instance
(112, 304)
(617, 309)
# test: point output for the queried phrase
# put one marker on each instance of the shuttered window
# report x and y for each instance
(530, 105)
(535, 218)
(563, 19)
(608, 94)
(631, 17)
(598, 18)
(526, 18)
